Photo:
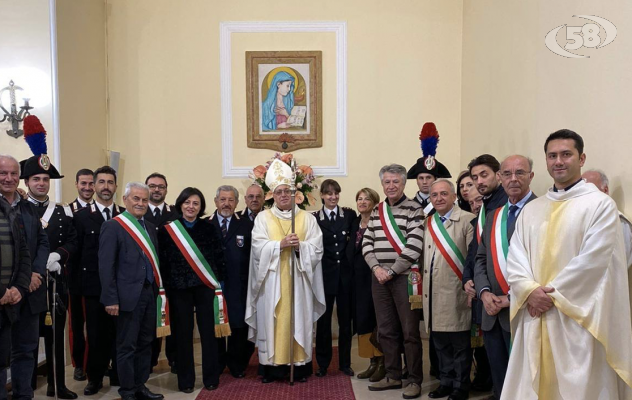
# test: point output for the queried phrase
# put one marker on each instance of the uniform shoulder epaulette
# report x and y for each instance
(210, 218)
(348, 209)
(93, 208)
(236, 216)
(167, 207)
(67, 209)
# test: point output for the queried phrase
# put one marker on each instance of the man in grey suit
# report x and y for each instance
(515, 175)
(128, 271)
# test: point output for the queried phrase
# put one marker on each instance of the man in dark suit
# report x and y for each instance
(335, 224)
(236, 238)
(128, 268)
(254, 202)
(159, 213)
(57, 222)
(25, 333)
(490, 282)
(84, 182)
(15, 266)
(99, 325)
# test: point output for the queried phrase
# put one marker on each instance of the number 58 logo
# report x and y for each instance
(577, 37)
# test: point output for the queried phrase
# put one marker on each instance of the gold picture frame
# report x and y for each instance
(284, 99)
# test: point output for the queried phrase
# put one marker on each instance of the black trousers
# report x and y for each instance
(497, 342)
(5, 351)
(235, 351)
(183, 304)
(455, 358)
(77, 325)
(156, 347)
(323, 331)
(135, 331)
(101, 330)
(53, 340)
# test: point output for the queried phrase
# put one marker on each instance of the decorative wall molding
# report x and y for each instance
(226, 29)
(52, 17)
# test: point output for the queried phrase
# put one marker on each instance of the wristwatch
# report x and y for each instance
(391, 273)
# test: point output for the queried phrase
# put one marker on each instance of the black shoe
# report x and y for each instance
(92, 388)
(238, 375)
(321, 372)
(50, 391)
(212, 386)
(458, 394)
(267, 380)
(79, 374)
(128, 397)
(146, 394)
(441, 391)
(114, 380)
(64, 393)
(347, 371)
(187, 390)
(302, 379)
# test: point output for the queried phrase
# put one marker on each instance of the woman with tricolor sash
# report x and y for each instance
(192, 265)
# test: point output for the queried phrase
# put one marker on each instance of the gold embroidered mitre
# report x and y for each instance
(278, 174)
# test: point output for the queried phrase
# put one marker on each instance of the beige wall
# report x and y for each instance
(82, 83)
(404, 68)
(515, 91)
(26, 59)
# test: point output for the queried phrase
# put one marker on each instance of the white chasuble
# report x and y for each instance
(268, 306)
(582, 347)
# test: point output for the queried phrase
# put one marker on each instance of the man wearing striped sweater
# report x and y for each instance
(392, 246)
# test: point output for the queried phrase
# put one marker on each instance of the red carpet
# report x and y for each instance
(334, 386)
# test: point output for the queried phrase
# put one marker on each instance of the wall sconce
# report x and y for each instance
(14, 117)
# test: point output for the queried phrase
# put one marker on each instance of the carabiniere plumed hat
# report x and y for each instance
(428, 164)
(35, 137)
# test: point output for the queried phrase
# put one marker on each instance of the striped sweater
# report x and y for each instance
(376, 248)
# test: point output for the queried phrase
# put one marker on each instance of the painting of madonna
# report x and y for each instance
(282, 105)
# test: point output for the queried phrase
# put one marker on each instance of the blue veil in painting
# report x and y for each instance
(268, 116)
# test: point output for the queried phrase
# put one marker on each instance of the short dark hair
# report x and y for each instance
(185, 194)
(106, 169)
(462, 203)
(484, 159)
(157, 175)
(329, 185)
(83, 171)
(566, 134)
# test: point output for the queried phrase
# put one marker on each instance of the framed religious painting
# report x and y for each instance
(284, 99)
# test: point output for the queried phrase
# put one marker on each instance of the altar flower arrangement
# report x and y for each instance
(305, 181)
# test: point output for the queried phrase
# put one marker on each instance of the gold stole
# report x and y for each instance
(277, 229)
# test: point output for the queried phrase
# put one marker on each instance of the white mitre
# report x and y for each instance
(278, 174)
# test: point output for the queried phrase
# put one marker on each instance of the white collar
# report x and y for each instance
(101, 207)
(328, 212)
(161, 207)
(81, 202)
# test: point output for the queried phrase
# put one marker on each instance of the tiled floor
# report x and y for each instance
(162, 381)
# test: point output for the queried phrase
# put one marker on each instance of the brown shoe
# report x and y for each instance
(380, 372)
(385, 384)
(366, 374)
(412, 391)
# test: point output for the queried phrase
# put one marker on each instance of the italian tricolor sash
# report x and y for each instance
(397, 239)
(446, 245)
(140, 236)
(500, 246)
(480, 224)
(203, 270)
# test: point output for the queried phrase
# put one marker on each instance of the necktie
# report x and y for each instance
(443, 219)
(332, 217)
(252, 216)
(157, 212)
(511, 217)
(107, 213)
(224, 227)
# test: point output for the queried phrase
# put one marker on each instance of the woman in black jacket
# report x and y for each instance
(364, 318)
(187, 293)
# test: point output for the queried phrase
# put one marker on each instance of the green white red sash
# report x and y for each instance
(480, 224)
(397, 239)
(500, 246)
(446, 245)
(203, 270)
(140, 236)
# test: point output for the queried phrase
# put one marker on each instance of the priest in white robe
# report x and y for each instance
(269, 308)
(570, 311)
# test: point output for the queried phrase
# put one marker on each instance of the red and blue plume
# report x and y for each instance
(35, 135)
(429, 137)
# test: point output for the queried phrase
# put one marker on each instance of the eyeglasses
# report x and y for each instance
(254, 196)
(160, 187)
(283, 191)
(519, 174)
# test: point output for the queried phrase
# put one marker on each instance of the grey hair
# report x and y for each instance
(227, 188)
(393, 169)
(529, 160)
(134, 185)
(450, 184)
(604, 178)
(10, 157)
